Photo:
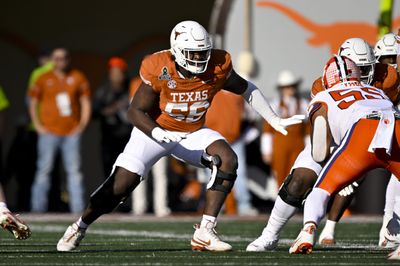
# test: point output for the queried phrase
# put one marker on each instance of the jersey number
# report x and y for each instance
(347, 97)
(196, 110)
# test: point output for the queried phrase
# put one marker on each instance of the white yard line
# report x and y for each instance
(127, 233)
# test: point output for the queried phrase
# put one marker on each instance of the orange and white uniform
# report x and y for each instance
(183, 103)
(362, 122)
(182, 107)
(385, 78)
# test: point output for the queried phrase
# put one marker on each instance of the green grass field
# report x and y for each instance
(167, 243)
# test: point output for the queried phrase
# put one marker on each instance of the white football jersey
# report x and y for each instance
(347, 103)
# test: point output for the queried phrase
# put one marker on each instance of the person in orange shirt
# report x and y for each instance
(60, 111)
(278, 150)
(168, 112)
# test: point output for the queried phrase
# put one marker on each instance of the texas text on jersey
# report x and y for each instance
(184, 102)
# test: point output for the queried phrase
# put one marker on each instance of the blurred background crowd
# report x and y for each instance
(93, 50)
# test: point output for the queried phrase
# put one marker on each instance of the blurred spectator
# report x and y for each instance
(64, 98)
(225, 116)
(23, 147)
(160, 179)
(110, 105)
(45, 65)
(278, 150)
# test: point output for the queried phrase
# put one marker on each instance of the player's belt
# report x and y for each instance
(377, 116)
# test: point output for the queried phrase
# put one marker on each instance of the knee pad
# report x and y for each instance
(217, 181)
(103, 198)
(217, 176)
(287, 197)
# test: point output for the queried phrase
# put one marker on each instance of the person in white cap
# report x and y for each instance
(278, 150)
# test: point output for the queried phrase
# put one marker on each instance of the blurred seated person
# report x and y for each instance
(110, 105)
(280, 151)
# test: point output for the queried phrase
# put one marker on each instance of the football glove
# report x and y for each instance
(280, 124)
(161, 135)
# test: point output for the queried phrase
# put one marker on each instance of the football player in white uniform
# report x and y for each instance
(305, 170)
(362, 121)
(386, 78)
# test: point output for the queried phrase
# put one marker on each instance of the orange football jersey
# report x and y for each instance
(184, 102)
(386, 78)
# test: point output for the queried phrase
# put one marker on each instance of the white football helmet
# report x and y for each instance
(339, 69)
(362, 54)
(191, 46)
(386, 47)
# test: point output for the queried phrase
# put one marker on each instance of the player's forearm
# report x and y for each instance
(141, 120)
(258, 102)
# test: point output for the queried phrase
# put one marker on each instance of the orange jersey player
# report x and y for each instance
(183, 104)
(168, 113)
(386, 53)
(362, 121)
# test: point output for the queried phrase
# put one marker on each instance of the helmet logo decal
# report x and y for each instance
(177, 34)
